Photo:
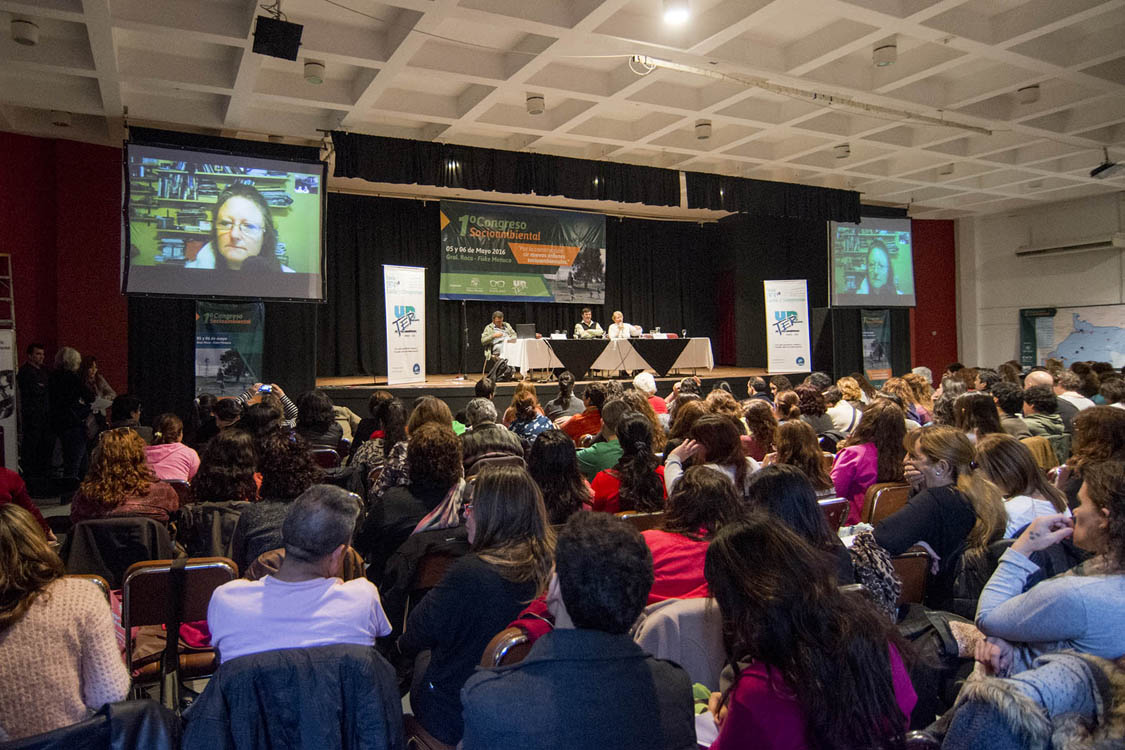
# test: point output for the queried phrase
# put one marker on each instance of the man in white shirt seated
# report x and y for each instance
(303, 604)
(588, 328)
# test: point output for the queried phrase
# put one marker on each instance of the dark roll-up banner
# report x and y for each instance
(876, 345)
(228, 346)
(491, 251)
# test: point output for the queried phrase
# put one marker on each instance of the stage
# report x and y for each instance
(354, 391)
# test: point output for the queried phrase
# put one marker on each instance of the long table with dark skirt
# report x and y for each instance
(580, 356)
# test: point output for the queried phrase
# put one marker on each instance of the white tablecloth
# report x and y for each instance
(619, 354)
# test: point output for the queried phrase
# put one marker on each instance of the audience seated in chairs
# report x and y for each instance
(395, 464)
(58, 653)
(810, 666)
(1099, 434)
(872, 454)
(553, 464)
(762, 426)
(636, 481)
(1009, 404)
(976, 415)
(702, 503)
(304, 603)
(126, 412)
(528, 421)
(287, 470)
(274, 397)
(589, 421)
(1027, 493)
(714, 443)
(635, 401)
(225, 413)
(435, 474)
(566, 404)
(786, 494)
(316, 421)
(167, 456)
(797, 446)
(380, 432)
(686, 416)
(120, 482)
(956, 511)
(485, 438)
(226, 469)
(511, 557)
(261, 420)
(605, 449)
(586, 684)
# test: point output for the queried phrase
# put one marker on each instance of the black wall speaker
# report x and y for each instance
(277, 38)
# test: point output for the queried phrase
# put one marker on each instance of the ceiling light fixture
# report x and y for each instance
(1107, 168)
(702, 129)
(1028, 94)
(884, 54)
(536, 104)
(842, 151)
(314, 72)
(60, 119)
(676, 12)
(25, 32)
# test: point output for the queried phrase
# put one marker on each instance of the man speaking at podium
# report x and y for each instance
(495, 334)
(587, 328)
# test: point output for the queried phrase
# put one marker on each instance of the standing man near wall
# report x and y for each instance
(36, 445)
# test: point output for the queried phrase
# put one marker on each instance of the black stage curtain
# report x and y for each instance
(779, 200)
(658, 273)
(407, 162)
(215, 143)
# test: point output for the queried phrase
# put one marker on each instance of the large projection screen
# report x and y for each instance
(872, 263)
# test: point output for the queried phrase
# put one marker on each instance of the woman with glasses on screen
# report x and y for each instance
(243, 232)
(880, 279)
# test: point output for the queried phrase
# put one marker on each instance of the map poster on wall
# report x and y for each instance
(1074, 334)
(492, 251)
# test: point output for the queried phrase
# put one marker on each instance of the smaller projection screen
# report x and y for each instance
(206, 224)
(872, 264)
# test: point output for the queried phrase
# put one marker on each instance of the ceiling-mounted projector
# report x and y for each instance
(1107, 168)
(274, 37)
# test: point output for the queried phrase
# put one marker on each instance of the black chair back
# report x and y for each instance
(108, 546)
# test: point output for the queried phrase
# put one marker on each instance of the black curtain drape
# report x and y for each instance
(407, 162)
(658, 273)
(779, 200)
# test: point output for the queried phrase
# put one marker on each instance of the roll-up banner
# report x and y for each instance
(8, 396)
(492, 251)
(405, 293)
(787, 326)
(228, 346)
(876, 334)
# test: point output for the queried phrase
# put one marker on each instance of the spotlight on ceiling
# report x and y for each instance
(536, 104)
(884, 54)
(314, 72)
(1107, 168)
(702, 129)
(945, 170)
(1028, 94)
(25, 32)
(60, 119)
(842, 151)
(676, 11)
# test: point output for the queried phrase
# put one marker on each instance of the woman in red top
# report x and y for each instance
(813, 668)
(703, 502)
(120, 483)
(13, 490)
(637, 481)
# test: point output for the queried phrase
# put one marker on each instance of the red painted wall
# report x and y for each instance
(60, 202)
(933, 323)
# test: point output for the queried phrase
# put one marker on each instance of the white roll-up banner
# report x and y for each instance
(405, 293)
(8, 396)
(787, 326)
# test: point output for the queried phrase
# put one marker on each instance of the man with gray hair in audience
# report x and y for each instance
(924, 372)
(485, 438)
(304, 603)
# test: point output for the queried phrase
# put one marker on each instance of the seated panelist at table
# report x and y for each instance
(496, 333)
(587, 328)
(619, 329)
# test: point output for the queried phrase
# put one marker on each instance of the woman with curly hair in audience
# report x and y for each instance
(639, 403)
(703, 502)
(60, 658)
(527, 417)
(395, 463)
(227, 469)
(526, 387)
(814, 409)
(168, 457)
(508, 565)
(261, 420)
(797, 646)
(553, 464)
(956, 513)
(899, 388)
(923, 397)
(636, 482)
(1081, 609)
(686, 415)
(873, 453)
(1099, 434)
(976, 415)
(120, 482)
(797, 446)
(763, 426)
(785, 492)
(715, 444)
(850, 390)
(723, 403)
(1027, 493)
(316, 420)
(288, 469)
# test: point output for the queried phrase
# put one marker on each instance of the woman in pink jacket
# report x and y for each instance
(168, 457)
(872, 454)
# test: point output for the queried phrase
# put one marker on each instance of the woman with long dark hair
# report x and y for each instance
(566, 404)
(508, 565)
(872, 453)
(798, 646)
(396, 470)
(797, 446)
(763, 426)
(716, 444)
(687, 414)
(316, 420)
(787, 406)
(976, 415)
(1008, 464)
(553, 464)
(226, 469)
(638, 402)
(637, 481)
(703, 502)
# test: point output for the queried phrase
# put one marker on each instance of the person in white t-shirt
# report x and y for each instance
(619, 329)
(1008, 464)
(303, 604)
(1066, 388)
